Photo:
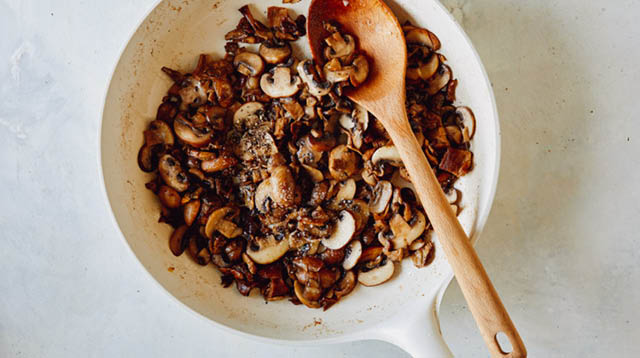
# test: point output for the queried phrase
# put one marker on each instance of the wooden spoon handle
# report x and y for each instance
(484, 303)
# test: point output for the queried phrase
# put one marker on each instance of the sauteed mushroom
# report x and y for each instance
(266, 169)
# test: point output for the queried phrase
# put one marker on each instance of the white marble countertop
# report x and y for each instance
(562, 243)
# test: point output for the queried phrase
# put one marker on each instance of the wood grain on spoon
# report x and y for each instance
(380, 36)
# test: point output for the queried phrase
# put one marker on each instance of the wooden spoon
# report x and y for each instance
(380, 36)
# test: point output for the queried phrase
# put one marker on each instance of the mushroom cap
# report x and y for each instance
(172, 174)
(274, 54)
(360, 71)
(377, 275)
(381, 197)
(248, 63)
(306, 72)
(387, 154)
(217, 222)
(247, 115)
(269, 250)
(352, 254)
(343, 231)
(188, 133)
(405, 233)
(280, 83)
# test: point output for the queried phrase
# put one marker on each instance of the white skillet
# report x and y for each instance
(402, 311)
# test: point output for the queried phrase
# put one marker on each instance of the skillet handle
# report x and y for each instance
(418, 333)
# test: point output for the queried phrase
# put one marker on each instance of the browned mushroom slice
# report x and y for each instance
(274, 54)
(267, 249)
(370, 254)
(346, 191)
(377, 275)
(456, 161)
(218, 221)
(280, 83)
(191, 211)
(302, 293)
(454, 134)
(260, 30)
(177, 242)
(169, 197)
(248, 63)
(387, 154)
(438, 138)
(360, 71)
(147, 157)
(381, 197)
(307, 72)
(424, 256)
(158, 132)
(279, 188)
(404, 233)
(343, 230)
(356, 123)
(307, 154)
(352, 255)
(247, 115)
(343, 162)
(423, 37)
(468, 121)
(335, 72)
(283, 25)
(346, 284)
(314, 173)
(217, 164)
(172, 174)
(424, 70)
(439, 80)
(197, 137)
(339, 46)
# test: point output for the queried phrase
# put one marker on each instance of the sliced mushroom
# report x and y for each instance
(439, 79)
(352, 255)
(452, 196)
(217, 164)
(335, 72)
(197, 137)
(275, 54)
(369, 254)
(217, 221)
(169, 197)
(299, 290)
(347, 191)
(307, 153)
(404, 233)
(280, 83)
(360, 71)
(247, 115)
(343, 231)
(147, 158)
(267, 250)
(360, 211)
(381, 197)
(177, 243)
(339, 46)
(377, 275)
(191, 211)
(343, 162)
(159, 132)
(279, 188)
(423, 37)
(346, 284)
(172, 174)
(248, 63)
(424, 70)
(356, 123)
(416, 245)
(307, 73)
(315, 174)
(454, 134)
(468, 121)
(387, 154)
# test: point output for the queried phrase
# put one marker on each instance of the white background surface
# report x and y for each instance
(562, 244)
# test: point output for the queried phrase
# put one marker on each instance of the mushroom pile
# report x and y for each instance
(265, 170)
